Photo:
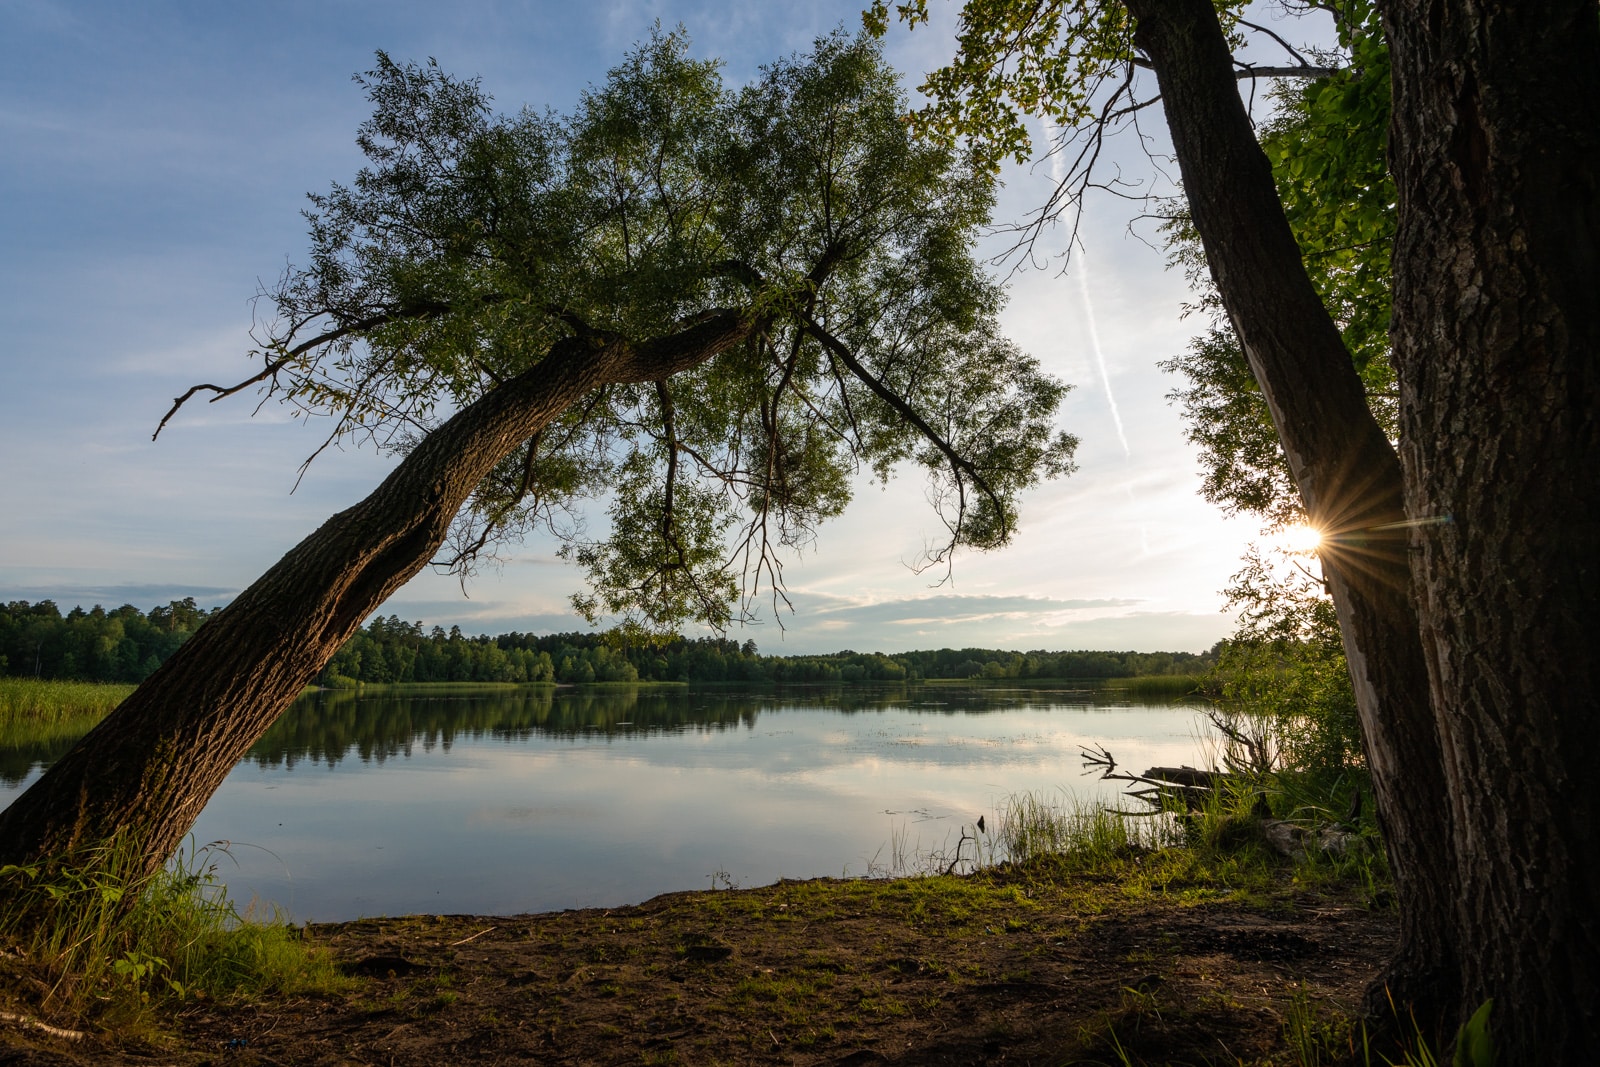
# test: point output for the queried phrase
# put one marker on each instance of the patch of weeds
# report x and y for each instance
(104, 938)
(1314, 1037)
(775, 988)
(822, 960)
(820, 1036)
(882, 1007)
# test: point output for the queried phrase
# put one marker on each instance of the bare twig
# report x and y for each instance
(416, 311)
(29, 1023)
(960, 466)
(474, 937)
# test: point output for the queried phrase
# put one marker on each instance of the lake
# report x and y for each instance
(518, 800)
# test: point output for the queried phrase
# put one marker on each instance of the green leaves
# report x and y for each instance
(1474, 1046)
(1047, 59)
(473, 242)
(1328, 145)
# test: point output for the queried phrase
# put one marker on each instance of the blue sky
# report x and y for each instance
(155, 162)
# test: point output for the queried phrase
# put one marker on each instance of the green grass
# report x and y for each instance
(1031, 826)
(29, 700)
(1158, 686)
(98, 941)
(34, 712)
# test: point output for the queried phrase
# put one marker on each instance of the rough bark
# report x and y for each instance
(1348, 474)
(151, 766)
(1496, 157)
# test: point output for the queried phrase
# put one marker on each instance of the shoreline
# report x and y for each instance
(1011, 964)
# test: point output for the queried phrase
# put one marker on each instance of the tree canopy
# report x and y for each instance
(473, 241)
(709, 307)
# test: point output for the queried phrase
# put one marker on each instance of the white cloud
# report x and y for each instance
(159, 164)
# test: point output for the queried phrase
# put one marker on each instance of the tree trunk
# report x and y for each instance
(1496, 157)
(1347, 472)
(151, 766)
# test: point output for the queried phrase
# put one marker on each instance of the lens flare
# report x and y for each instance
(1299, 539)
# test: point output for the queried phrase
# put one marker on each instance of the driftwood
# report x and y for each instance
(1165, 789)
(1158, 786)
(1186, 776)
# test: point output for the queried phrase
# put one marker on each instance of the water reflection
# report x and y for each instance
(379, 725)
(530, 799)
(328, 727)
(19, 760)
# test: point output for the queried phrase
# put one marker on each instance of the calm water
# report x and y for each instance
(505, 802)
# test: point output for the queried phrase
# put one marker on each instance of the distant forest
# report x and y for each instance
(126, 645)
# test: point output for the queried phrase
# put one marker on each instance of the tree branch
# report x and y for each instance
(1249, 72)
(960, 466)
(383, 318)
(669, 433)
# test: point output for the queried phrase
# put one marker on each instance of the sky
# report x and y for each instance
(154, 160)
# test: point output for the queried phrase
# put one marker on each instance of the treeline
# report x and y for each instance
(391, 650)
(125, 645)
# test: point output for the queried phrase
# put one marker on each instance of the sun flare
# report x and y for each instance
(1299, 539)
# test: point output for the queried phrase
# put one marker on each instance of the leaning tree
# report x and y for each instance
(710, 306)
(1460, 554)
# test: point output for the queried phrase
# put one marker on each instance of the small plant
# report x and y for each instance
(1315, 1039)
(721, 879)
(1088, 835)
(102, 937)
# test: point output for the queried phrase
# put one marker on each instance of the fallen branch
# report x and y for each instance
(1187, 777)
(29, 1023)
(1166, 787)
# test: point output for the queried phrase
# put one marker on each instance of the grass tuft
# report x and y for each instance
(98, 941)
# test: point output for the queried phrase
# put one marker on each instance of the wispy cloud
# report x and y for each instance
(947, 609)
(142, 595)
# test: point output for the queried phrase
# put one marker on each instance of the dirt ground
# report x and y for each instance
(1004, 967)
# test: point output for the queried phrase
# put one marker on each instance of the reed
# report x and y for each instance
(30, 700)
(36, 713)
(1159, 686)
(1088, 834)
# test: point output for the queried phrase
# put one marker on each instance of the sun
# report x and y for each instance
(1299, 539)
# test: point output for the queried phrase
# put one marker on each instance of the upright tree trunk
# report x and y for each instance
(1348, 474)
(1496, 157)
(151, 766)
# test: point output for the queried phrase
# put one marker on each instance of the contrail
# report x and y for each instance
(1058, 174)
(1094, 342)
